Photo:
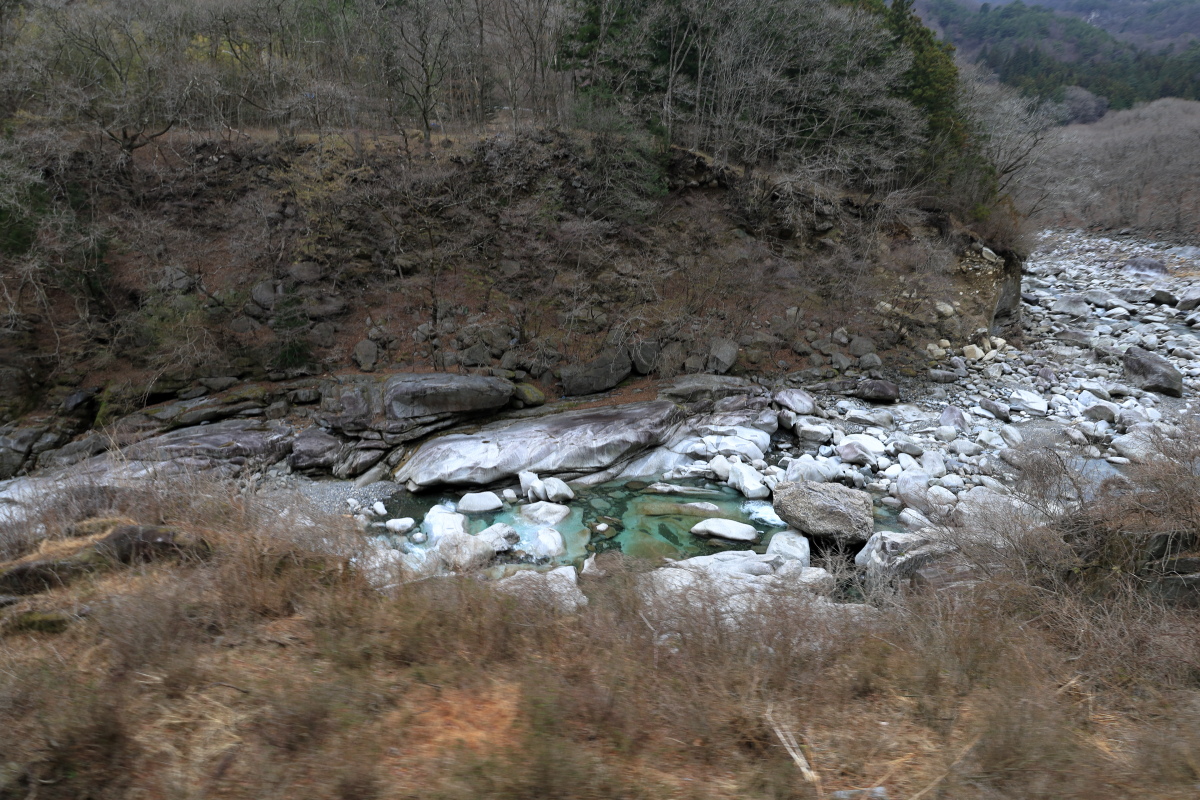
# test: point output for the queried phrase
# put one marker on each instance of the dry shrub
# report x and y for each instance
(64, 736)
(1135, 168)
(1028, 747)
(155, 633)
(299, 716)
(1169, 745)
(1006, 689)
(55, 512)
(547, 762)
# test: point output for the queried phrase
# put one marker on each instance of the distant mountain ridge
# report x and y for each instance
(1042, 51)
(1147, 23)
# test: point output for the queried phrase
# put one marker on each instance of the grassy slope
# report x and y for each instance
(272, 669)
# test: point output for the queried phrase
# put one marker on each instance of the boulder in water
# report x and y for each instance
(725, 529)
(825, 509)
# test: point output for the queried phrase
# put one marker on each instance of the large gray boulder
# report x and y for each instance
(600, 374)
(1072, 305)
(1189, 300)
(796, 400)
(825, 509)
(645, 356)
(569, 444)
(406, 406)
(722, 354)
(877, 391)
(412, 395)
(315, 449)
(1152, 372)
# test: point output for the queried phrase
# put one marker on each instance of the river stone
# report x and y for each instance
(545, 513)
(870, 361)
(645, 357)
(411, 395)
(791, 545)
(877, 391)
(500, 536)
(666, 509)
(547, 543)
(912, 487)
(305, 272)
(1152, 372)
(725, 529)
(796, 400)
(1189, 299)
(315, 449)
(263, 294)
(1072, 305)
(1030, 402)
(227, 446)
(600, 374)
(441, 521)
(722, 354)
(462, 552)
(1137, 445)
(479, 502)
(358, 460)
(806, 468)
(999, 410)
(556, 490)
(859, 448)
(861, 346)
(400, 525)
(955, 417)
(1145, 265)
(529, 394)
(366, 354)
(700, 388)
(748, 481)
(1162, 296)
(571, 443)
(825, 509)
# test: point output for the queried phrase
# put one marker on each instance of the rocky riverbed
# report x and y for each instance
(734, 480)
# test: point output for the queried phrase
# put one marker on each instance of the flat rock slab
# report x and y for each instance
(571, 443)
(697, 388)
(229, 443)
(825, 509)
(407, 403)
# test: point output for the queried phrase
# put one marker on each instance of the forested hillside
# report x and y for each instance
(1041, 51)
(1149, 23)
(163, 163)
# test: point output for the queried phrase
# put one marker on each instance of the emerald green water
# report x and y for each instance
(639, 522)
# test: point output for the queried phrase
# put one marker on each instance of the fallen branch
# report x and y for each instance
(788, 739)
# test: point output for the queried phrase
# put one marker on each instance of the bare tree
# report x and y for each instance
(120, 67)
(1010, 130)
(1138, 168)
(415, 45)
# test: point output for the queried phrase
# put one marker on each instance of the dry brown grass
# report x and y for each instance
(272, 669)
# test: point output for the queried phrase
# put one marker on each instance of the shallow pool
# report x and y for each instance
(637, 517)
